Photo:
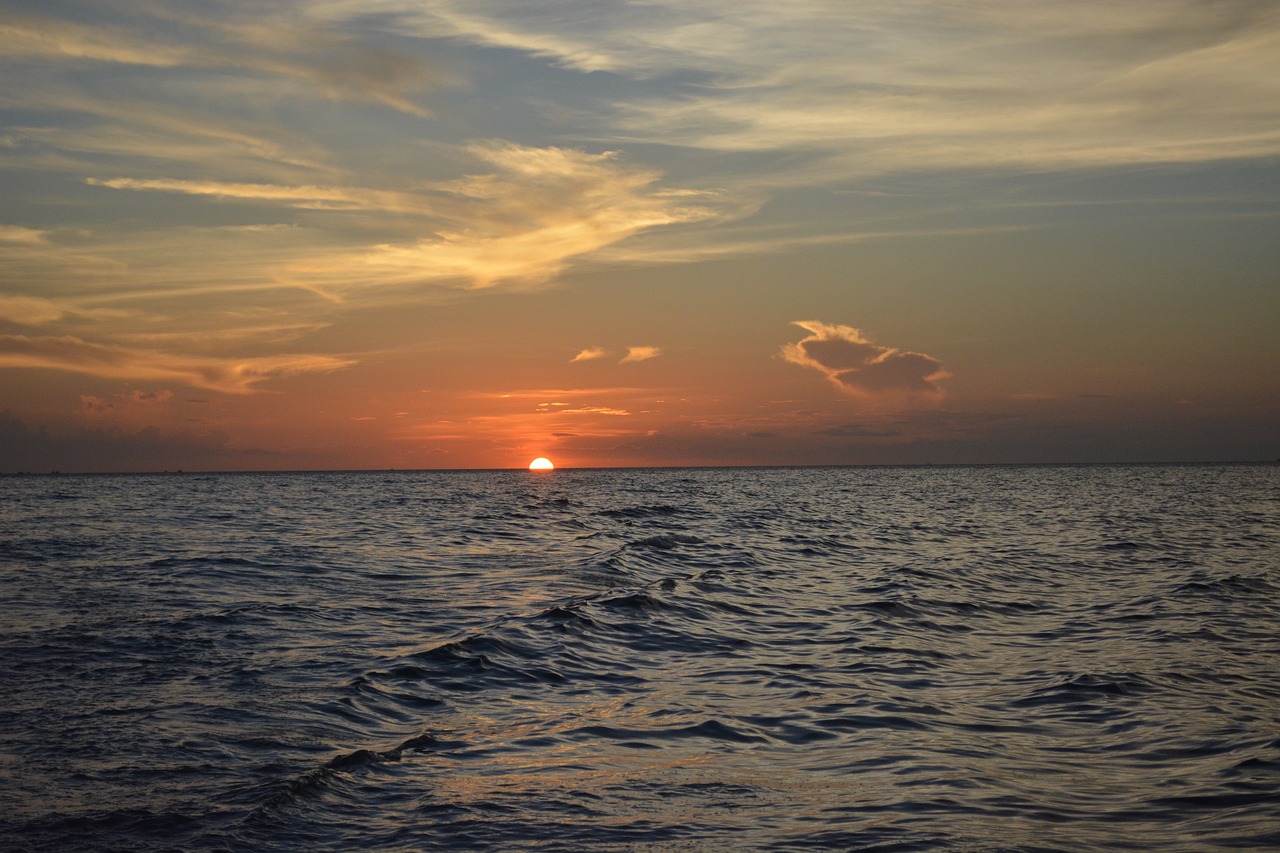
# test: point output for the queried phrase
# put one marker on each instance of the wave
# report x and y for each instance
(888, 659)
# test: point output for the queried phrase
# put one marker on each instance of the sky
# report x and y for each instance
(365, 234)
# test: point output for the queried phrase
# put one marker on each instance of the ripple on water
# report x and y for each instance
(1067, 658)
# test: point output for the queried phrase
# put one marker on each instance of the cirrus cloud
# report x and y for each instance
(229, 376)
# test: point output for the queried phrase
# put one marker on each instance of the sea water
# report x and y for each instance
(891, 659)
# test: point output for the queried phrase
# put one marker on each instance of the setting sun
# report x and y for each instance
(542, 463)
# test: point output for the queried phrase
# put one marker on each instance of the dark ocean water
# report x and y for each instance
(889, 659)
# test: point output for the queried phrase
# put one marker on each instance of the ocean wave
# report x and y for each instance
(785, 659)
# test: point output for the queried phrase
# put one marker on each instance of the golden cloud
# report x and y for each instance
(640, 354)
(524, 222)
(589, 354)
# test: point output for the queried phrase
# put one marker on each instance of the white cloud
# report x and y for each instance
(883, 87)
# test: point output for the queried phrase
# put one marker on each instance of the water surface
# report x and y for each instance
(986, 658)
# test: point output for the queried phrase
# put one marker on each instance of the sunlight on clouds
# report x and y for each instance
(863, 369)
(38, 311)
(523, 223)
(18, 234)
(315, 198)
(223, 195)
(299, 197)
(229, 376)
(541, 394)
(283, 43)
(29, 310)
(640, 354)
(37, 37)
(907, 85)
(595, 410)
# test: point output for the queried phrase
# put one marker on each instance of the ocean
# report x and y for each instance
(1020, 658)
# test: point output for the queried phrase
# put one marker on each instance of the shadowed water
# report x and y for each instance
(892, 659)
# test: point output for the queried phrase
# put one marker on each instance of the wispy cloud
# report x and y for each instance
(18, 234)
(29, 310)
(313, 198)
(594, 410)
(503, 25)
(640, 354)
(38, 311)
(589, 354)
(33, 36)
(910, 85)
(229, 376)
(864, 369)
(523, 223)
(282, 44)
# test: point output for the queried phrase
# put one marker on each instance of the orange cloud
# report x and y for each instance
(229, 376)
(595, 410)
(861, 368)
(640, 354)
(588, 354)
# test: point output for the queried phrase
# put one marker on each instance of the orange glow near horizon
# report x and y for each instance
(661, 273)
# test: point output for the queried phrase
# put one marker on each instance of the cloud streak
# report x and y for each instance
(283, 45)
(864, 369)
(25, 236)
(524, 222)
(875, 88)
(229, 376)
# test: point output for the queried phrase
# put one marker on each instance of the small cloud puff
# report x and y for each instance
(588, 354)
(861, 368)
(640, 354)
(634, 354)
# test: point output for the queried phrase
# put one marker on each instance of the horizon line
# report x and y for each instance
(564, 468)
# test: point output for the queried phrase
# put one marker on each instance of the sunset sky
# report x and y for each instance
(466, 233)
